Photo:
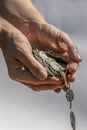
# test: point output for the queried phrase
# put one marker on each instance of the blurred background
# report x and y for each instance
(23, 109)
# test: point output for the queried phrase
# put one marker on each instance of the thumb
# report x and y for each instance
(32, 64)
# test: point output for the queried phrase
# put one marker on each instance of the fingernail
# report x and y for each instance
(42, 75)
(78, 56)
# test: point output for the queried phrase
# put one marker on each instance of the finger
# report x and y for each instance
(58, 41)
(27, 77)
(47, 35)
(73, 67)
(64, 89)
(24, 54)
(71, 77)
(32, 64)
(67, 44)
(73, 52)
(21, 74)
(42, 87)
(64, 55)
(58, 90)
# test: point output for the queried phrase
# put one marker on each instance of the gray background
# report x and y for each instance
(23, 109)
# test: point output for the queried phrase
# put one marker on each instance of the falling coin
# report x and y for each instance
(70, 96)
(72, 119)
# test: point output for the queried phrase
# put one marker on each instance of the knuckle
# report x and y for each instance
(34, 65)
(62, 35)
(65, 34)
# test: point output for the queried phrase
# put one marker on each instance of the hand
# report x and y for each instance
(47, 37)
(21, 64)
(41, 35)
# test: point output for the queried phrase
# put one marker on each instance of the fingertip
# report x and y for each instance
(73, 67)
(65, 89)
(71, 77)
(42, 75)
(58, 90)
(74, 53)
(78, 57)
(37, 69)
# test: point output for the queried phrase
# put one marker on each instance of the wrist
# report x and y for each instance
(6, 32)
(1, 31)
(21, 13)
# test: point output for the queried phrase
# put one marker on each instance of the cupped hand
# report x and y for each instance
(47, 37)
(21, 64)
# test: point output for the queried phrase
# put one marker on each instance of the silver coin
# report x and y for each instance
(69, 95)
(73, 120)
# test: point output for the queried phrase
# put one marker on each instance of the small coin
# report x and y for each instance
(72, 119)
(54, 65)
(69, 95)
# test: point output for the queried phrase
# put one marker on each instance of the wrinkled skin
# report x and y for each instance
(24, 68)
(17, 49)
(17, 52)
(47, 37)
